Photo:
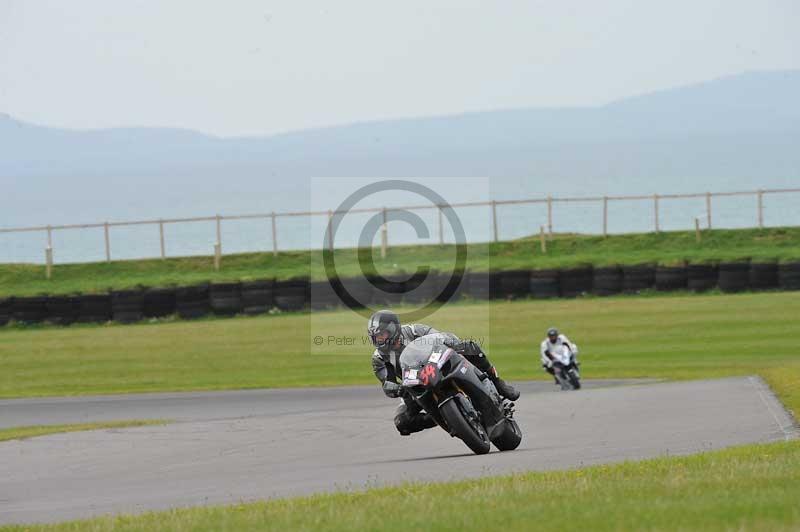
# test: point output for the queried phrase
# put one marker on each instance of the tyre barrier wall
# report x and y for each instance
(292, 294)
(701, 277)
(259, 297)
(192, 301)
(669, 278)
(159, 302)
(789, 276)
(734, 276)
(5, 311)
(127, 306)
(638, 277)
(94, 308)
(576, 281)
(607, 281)
(225, 298)
(763, 276)
(544, 284)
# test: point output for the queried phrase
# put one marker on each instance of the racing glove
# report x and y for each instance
(392, 389)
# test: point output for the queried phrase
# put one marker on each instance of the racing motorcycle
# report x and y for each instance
(461, 398)
(565, 369)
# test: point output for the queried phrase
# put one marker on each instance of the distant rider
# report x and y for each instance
(556, 343)
(390, 338)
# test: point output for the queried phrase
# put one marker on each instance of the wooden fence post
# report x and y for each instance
(605, 216)
(217, 256)
(697, 229)
(550, 216)
(161, 238)
(108, 242)
(761, 209)
(655, 211)
(48, 260)
(219, 232)
(542, 239)
(708, 209)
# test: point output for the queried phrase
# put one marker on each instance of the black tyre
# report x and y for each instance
(478, 285)
(734, 276)
(258, 296)
(127, 306)
(701, 277)
(5, 311)
(576, 281)
(388, 290)
(469, 431)
(607, 281)
(225, 298)
(323, 295)
(159, 302)
(355, 292)
(62, 310)
(514, 284)
(450, 292)
(510, 437)
(544, 284)
(670, 278)
(763, 275)
(789, 276)
(94, 308)
(29, 309)
(192, 302)
(574, 380)
(638, 277)
(291, 295)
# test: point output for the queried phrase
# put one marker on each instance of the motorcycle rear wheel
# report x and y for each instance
(510, 438)
(471, 433)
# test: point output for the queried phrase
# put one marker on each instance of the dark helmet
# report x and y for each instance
(383, 328)
(552, 334)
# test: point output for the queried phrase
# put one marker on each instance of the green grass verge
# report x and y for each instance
(23, 433)
(746, 488)
(772, 244)
(675, 336)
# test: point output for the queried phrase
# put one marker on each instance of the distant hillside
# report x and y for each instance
(731, 132)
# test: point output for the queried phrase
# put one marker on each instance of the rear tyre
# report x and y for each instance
(467, 430)
(510, 438)
(574, 380)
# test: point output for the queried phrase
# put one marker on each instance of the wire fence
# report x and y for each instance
(652, 206)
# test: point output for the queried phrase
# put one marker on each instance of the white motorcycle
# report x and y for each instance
(565, 368)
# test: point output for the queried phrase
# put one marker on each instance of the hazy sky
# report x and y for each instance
(258, 67)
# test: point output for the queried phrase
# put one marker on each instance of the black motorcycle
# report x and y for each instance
(460, 397)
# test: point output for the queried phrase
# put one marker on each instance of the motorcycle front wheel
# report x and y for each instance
(466, 429)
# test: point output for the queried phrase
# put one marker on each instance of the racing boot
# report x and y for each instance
(503, 388)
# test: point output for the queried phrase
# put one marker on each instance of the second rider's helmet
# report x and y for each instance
(383, 328)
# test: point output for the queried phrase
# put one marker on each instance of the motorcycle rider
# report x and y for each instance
(556, 342)
(390, 338)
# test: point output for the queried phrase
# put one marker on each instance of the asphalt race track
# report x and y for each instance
(227, 447)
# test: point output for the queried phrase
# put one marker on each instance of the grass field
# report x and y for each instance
(22, 433)
(774, 244)
(677, 337)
